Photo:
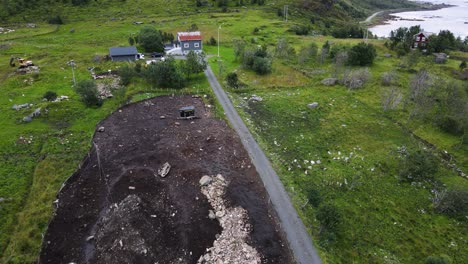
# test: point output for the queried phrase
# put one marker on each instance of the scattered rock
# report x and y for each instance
(164, 170)
(211, 215)
(440, 58)
(330, 81)
(230, 246)
(101, 129)
(72, 30)
(313, 105)
(177, 123)
(31, 25)
(162, 117)
(36, 112)
(131, 188)
(256, 98)
(27, 119)
(21, 106)
(205, 180)
(89, 238)
(387, 55)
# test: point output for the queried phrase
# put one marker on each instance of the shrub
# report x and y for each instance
(50, 95)
(329, 217)
(451, 125)
(391, 98)
(261, 65)
(356, 78)
(212, 41)
(389, 78)
(453, 203)
(301, 29)
(418, 166)
(462, 65)
(362, 54)
(56, 20)
(232, 80)
(87, 90)
(126, 73)
(313, 195)
(444, 259)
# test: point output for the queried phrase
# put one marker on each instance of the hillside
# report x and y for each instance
(343, 158)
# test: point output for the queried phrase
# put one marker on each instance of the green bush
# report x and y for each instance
(313, 195)
(87, 89)
(454, 203)
(329, 217)
(418, 166)
(261, 65)
(444, 259)
(232, 80)
(165, 74)
(50, 95)
(126, 73)
(362, 54)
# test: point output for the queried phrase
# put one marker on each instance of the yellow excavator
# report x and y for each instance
(22, 63)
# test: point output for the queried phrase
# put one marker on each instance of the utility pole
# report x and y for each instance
(219, 27)
(73, 64)
(285, 11)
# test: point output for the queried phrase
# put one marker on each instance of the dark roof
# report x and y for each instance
(122, 51)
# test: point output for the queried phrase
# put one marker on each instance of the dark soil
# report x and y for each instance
(115, 209)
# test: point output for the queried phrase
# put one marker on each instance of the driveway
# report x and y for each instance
(298, 238)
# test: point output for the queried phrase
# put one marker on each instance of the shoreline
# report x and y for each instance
(380, 17)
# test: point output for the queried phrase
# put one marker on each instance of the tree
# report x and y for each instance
(194, 63)
(165, 74)
(131, 40)
(232, 80)
(88, 91)
(150, 39)
(442, 42)
(362, 54)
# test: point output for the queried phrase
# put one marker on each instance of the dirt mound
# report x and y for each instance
(116, 209)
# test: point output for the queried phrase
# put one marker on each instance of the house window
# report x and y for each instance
(197, 45)
(186, 45)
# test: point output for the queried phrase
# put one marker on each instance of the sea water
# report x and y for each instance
(453, 18)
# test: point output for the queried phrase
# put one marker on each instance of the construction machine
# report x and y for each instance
(22, 63)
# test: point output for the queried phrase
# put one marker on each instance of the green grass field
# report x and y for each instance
(384, 220)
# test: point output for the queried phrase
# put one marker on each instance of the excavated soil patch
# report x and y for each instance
(116, 209)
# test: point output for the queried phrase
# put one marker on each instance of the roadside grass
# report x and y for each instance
(384, 220)
(356, 145)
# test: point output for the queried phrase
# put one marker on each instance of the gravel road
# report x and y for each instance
(299, 241)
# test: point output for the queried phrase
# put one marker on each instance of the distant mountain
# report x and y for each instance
(331, 12)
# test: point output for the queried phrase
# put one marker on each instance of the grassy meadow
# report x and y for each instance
(384, 220)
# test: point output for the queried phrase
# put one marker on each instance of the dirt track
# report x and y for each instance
(115, 210)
